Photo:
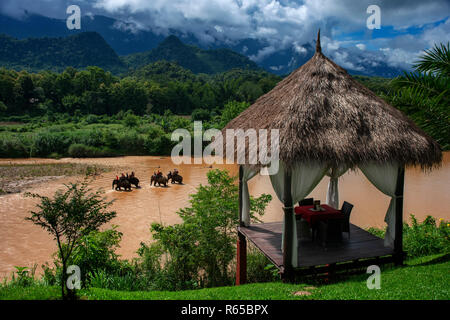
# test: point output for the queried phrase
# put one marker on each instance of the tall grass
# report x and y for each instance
(88, 137)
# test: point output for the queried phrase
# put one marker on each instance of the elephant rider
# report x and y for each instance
(175, 172)
(122, 177)
(159, 174)
(117, 178)
(132, 174)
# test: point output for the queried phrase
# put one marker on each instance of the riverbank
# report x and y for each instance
(424, 278)
(16, 177)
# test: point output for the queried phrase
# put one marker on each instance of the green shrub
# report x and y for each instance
(421, 239)
(160, 145)
(96, 257)
(78, 150)
(106, 280)
(12, 146)
(71, 216)
(96, 251)
(199, 251)
(131, 120)
(92, 118)
(23, 277)
(131, 142)
(259, 268)
(90, 137)
(45, 143)
(200, 115)
(426, 238)
(55, 155)
(231, 110)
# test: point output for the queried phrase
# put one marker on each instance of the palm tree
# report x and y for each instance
(424, 94)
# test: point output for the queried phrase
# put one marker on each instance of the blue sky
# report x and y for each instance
(407, 26)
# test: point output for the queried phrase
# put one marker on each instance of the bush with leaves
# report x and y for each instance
(199, 251)
(426, 238)
(200, 115)
(231, 110)
(259, 268)
(423, 238)
(69, 216)
(96, 251)
(131, 120)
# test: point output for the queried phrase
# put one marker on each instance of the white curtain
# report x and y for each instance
(304, 178)
(248, 173)
(333, 189)
(384, 177)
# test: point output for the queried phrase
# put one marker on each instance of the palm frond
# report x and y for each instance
(430, 85)
(430, 113)
(436, 60)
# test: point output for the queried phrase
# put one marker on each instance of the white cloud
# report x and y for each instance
(299, 49)
(264, 52)
(131, 26)
(400, 58)
(342, 59)
(279, 23)
(276, 68)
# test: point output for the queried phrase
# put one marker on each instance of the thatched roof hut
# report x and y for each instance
(323, 114)
(328, 123)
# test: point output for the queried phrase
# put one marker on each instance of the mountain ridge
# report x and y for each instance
(55, 54)
(197, 60)
(126, 39)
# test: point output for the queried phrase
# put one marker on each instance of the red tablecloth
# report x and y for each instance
(315, 216)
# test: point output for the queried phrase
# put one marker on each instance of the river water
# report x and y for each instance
(24, 244)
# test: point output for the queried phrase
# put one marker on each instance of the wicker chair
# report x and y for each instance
(345, 222)
(332, 229)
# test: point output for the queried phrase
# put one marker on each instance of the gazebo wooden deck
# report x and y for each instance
(362, 248)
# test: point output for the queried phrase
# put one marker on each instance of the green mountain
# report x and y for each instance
(78, 51)
(190, 57)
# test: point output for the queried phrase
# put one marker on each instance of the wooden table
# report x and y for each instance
(313, 217)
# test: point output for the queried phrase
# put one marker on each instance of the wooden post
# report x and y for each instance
(241, 260)
(241, 252)
(288, 214)
(398, 241)
(241, 175)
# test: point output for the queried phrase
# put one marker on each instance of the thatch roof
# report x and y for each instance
(323, 114)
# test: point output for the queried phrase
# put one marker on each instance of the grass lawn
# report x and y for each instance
(423, 278)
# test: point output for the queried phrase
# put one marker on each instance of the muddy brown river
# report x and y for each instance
(24, 244)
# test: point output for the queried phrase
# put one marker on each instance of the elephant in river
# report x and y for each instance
(174, 177)
(160, 179)
(134, 181)
(121, 183)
